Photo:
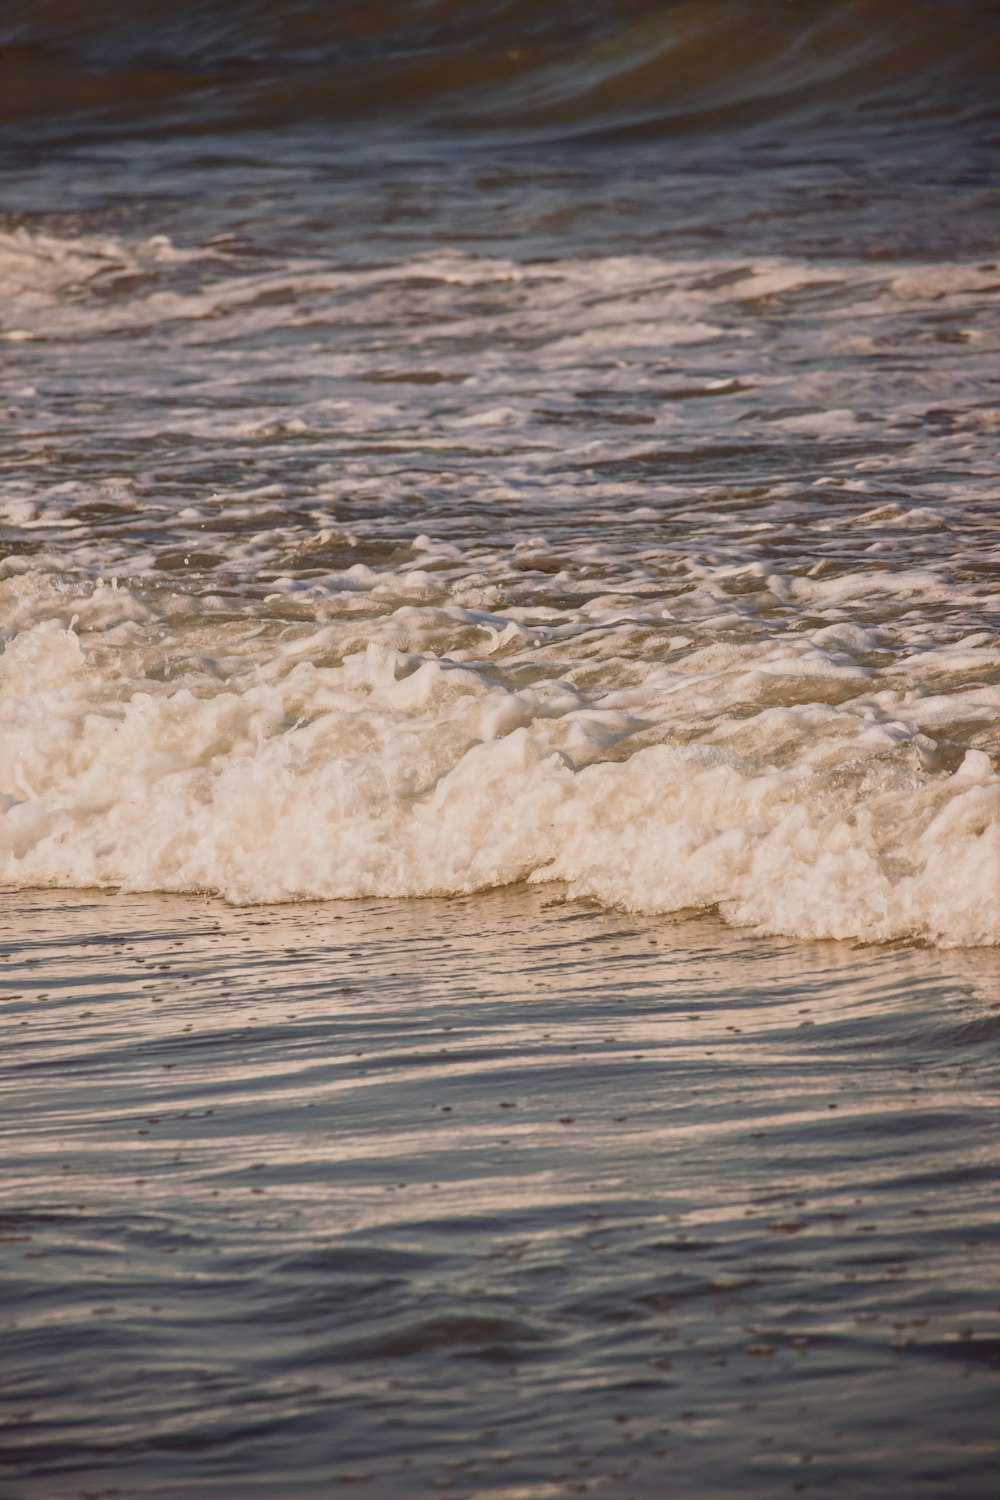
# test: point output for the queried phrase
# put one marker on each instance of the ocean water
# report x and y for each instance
(499, 749)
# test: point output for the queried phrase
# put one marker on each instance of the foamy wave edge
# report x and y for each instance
(243, 795)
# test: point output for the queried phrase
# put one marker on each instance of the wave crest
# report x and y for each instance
(563, 68)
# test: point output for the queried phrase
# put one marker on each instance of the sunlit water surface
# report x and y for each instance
(499, 797)
(492, 1197)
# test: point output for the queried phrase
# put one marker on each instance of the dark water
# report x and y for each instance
(526, 475)
(576, 69)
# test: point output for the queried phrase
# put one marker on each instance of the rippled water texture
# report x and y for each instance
(492, 1197)
(499, 754)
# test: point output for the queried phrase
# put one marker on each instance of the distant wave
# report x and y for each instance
(566, 67)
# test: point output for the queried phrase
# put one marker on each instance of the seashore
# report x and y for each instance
(527, 477)
(503, 1195)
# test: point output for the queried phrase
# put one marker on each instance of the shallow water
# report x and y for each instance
(499, 749)
(689, 564)
(492, 1197)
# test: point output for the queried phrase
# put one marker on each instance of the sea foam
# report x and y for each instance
(410, 774)
(668, 581)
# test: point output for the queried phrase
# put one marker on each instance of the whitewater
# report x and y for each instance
(670, 580)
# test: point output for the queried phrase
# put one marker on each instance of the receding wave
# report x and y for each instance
(562, 67)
